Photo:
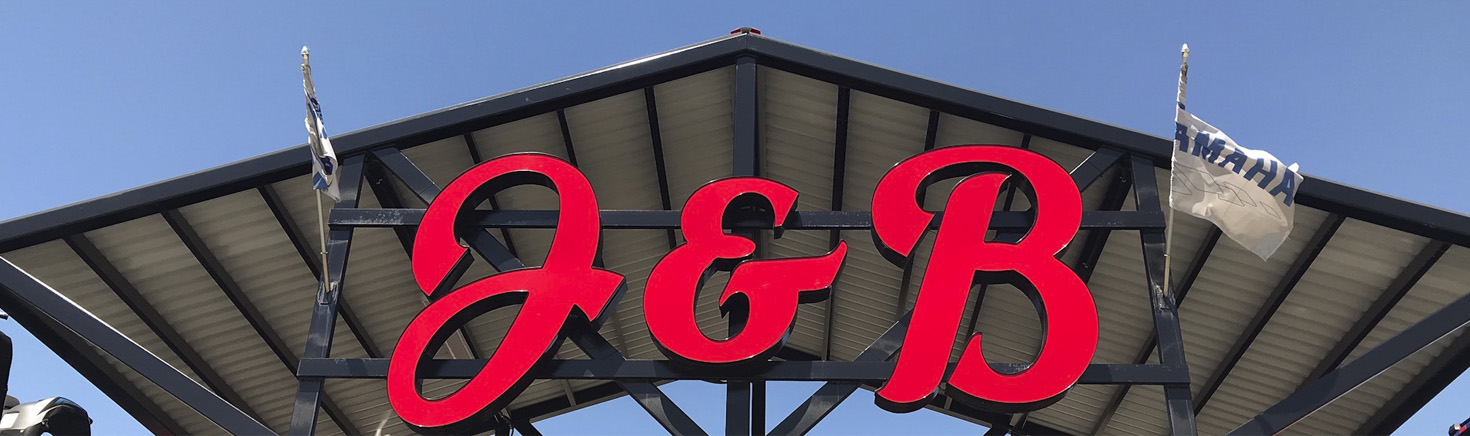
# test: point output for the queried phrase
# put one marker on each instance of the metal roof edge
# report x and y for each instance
(101, 211)
(145, 200)
(1328, 195)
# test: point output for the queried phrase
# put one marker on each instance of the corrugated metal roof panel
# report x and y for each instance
(1354, 268)
(696, 128)
(155, 261)
(881, 132)
(799, 133)
(59, 267)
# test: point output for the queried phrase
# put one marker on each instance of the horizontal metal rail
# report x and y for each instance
(1112, 374)
(669, 219)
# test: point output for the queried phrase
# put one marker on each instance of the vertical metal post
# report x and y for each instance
(324, 311)
(746, 164)
(1166, 315)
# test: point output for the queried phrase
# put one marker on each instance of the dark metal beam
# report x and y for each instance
(1097, 240)
(1165, 312)
(24, 288)
(387, 195)
(566, 136)
(1093, 168)
(426, 190)
(857, 371)
(1268, 308)
(839, 181)
(649, 396)
(130, 296)
(1390, 297)
(747, 163)
(831, 394)
(252, 314)
(1427, 384)
(660, 167)
(469, 141)
(929, 137)
(1006, 206)
(309, 390)
(1186, 281)
(525, 428)
(632, 76)
(594, 345)
(1339, 382)
(747, 118)
(669, 219)
(312, 261)
(92, 365)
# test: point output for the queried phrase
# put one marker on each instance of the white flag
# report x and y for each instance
(324, 159)
(1248, 193)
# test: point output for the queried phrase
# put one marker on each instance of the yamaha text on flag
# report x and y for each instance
(324, 160)
(1248, 193)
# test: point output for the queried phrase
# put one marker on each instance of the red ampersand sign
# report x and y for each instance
(772, 287)
(548, 293)
(961, 254)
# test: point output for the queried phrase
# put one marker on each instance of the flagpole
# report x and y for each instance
(321, 219)
(1169, 223)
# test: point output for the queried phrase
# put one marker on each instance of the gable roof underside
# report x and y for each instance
(244, 213)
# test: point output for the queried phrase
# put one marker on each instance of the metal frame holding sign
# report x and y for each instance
(566, 297)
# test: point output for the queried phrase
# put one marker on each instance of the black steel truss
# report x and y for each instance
(21, 287)
(1268, 308)
(745, 51)
(746, 389)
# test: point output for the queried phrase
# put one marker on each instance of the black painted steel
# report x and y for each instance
(1339, 382)
(659, 166)
(669, 219)
(1097, 240)
(839, 182)
(1278, 295)
(931, 134)
(292, 162)
(1093, 168)
(125, 291)
(313, 263)
(867, 370)
(1390, 297)
(831, 394)
(1425, 385)
(747, 134)
(426, 190)
(469, 142)
(1186, 281)
(1165, 313)
(387, 195)
(92, 365)
(649, 396)
(247, 308)
(21, 286)
(309, 392)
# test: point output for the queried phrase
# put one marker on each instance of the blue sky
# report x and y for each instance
(101, 97)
